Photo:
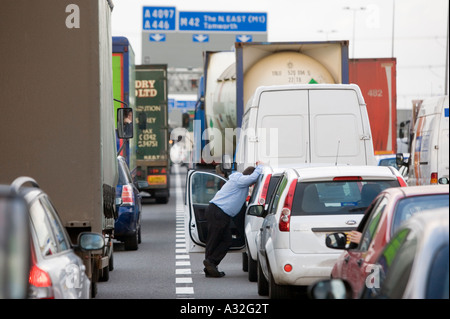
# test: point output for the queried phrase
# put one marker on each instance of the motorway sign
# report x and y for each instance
(223, 21)
(159, 18)
(179, 38)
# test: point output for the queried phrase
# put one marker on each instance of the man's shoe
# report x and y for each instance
(207, 274)
(211, 269)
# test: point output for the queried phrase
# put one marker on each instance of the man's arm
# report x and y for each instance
(247, 180)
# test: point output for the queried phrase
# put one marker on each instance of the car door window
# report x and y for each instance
(58, 230)
(204, 186)
(372, 224)
(41, 224)
(276, 197)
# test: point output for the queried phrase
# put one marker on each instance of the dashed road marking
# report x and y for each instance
(183, 279)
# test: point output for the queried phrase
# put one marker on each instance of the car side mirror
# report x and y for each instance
(125, 122)
(330, 289)
(227, 164)
(336, 240)
(256, 210)
(90, 241)
(400, 160)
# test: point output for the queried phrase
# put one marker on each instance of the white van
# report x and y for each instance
(305, 123)
(429, 161)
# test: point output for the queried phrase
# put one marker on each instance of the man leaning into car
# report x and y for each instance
(225, 205)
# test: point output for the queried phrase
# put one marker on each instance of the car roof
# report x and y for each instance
(331, 171)
(418, 190)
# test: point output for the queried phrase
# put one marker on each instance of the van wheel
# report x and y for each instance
(263, 284)
(278, 291)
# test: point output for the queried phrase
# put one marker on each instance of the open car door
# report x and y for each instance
(201, 187)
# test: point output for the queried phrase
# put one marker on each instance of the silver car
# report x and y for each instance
(56, 272)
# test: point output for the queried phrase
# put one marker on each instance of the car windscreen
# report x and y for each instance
(124, 174)
(337, 197)
(411, 205)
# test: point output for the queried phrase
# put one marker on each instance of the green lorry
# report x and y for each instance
(152, 137)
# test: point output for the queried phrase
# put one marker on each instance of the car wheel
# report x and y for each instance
(139, 235)
(263, 285)
(252, 269)
(244, 261)
(111, 262)
(131, 242)
(278, 291)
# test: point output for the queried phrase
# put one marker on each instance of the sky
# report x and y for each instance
(415, 32)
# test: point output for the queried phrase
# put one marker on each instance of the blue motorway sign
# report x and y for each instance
(157, 37)
(200, 38)
(222, 21)
(159, 18)
(244, 38)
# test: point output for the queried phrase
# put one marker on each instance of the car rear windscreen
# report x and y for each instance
(337, 197)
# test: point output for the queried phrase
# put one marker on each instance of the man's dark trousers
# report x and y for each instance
(219, 234)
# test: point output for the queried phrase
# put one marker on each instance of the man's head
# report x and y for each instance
(248, 171)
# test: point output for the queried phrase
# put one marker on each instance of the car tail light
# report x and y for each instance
(39, 278)
(285, 218)
(127, 195)
(401, 181)
(434, 178)
(263, 197)
(40, 284)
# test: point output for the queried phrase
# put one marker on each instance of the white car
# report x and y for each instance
(309, 203)
(261, 194)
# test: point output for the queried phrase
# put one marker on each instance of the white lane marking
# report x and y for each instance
(183, 280)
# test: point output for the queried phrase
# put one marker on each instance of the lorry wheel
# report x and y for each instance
(162, 200)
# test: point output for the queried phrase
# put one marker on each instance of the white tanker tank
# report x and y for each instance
(233, 76)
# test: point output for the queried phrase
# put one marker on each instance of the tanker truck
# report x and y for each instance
(57, 120)
(231, 78)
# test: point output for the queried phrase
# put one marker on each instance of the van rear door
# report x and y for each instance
(283, 127)
(337, 132)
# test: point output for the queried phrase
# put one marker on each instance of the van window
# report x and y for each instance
(337, 197)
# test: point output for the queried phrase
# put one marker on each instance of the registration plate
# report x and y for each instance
(157, 179)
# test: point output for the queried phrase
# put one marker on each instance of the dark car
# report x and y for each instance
(129, 207)
(14, 244)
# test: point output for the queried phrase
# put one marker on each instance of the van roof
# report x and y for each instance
(287, 87)
(433, 105)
